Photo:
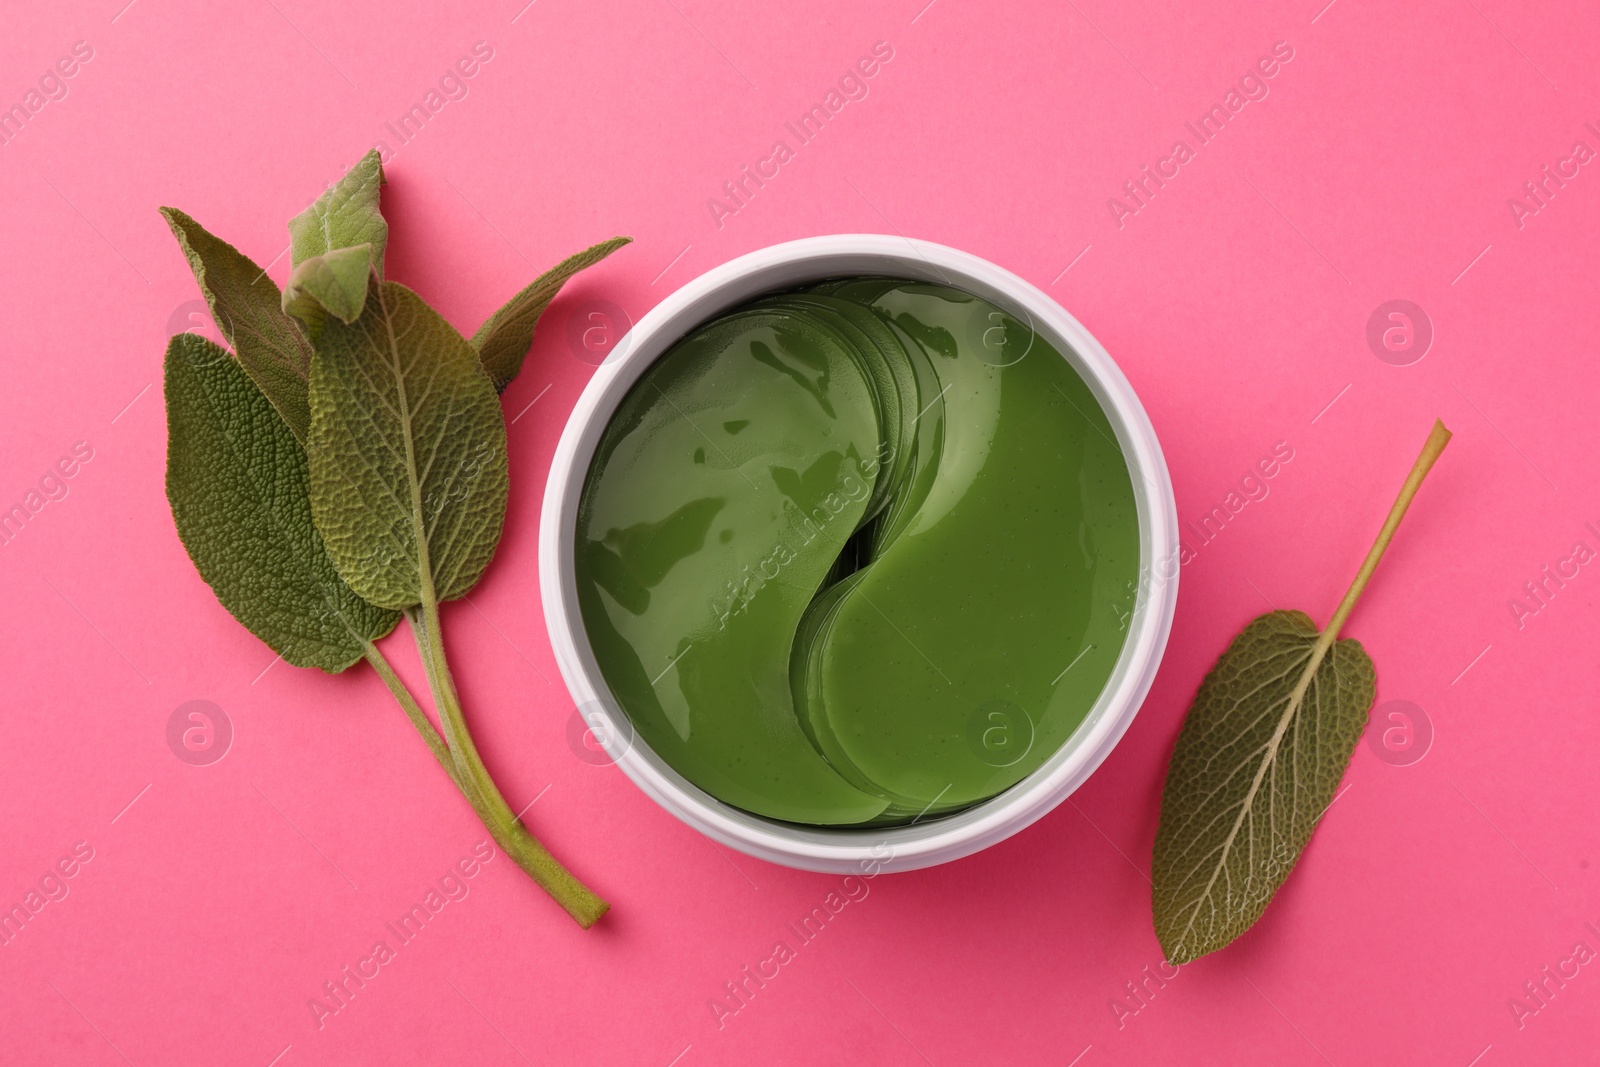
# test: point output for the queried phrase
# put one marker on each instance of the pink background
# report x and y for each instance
(220, 898)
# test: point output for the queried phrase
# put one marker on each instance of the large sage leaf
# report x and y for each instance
(503, 340)
(248, 310)
(1261, 752)
(408, 452)
(240, 492)
(344, 216)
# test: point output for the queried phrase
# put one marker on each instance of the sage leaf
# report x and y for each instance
(1263, 748)
(240, 491)
(505, 337)
(1259, 757)
(248, 310)
(332, 283)
(408, 452)
(344, 216)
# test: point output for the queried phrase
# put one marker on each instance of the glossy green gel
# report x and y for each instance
(861, 554)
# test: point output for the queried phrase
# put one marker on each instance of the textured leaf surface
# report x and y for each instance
(344, 216)
(240, 492)
(408, 451)
(248, 309)
(1253, 771)
(332, 283)
(503, 340)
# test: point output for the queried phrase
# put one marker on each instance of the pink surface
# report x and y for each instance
(220, 898)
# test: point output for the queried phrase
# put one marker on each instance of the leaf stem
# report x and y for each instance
(413, 710)
(475, 783)
(1431, 450)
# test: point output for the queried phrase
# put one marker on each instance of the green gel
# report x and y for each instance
(858, 555)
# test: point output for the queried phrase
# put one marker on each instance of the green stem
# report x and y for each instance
(475, 783)
(1431, 450)
(413, 710)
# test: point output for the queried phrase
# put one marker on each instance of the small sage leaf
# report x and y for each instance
(240, 492)
(1261, 752)
(408, 452)
(333, 283)
(504, 339)
(248, 309)
(344, 216)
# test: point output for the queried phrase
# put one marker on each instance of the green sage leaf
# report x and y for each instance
(408, 452)
(248, 309)
(504, 339)
(1258, 759)
(240, 491)
(344, 216)
(1261, 751)
(332, 283)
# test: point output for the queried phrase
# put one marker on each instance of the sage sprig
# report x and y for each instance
(345, 464)
(1261, 752)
